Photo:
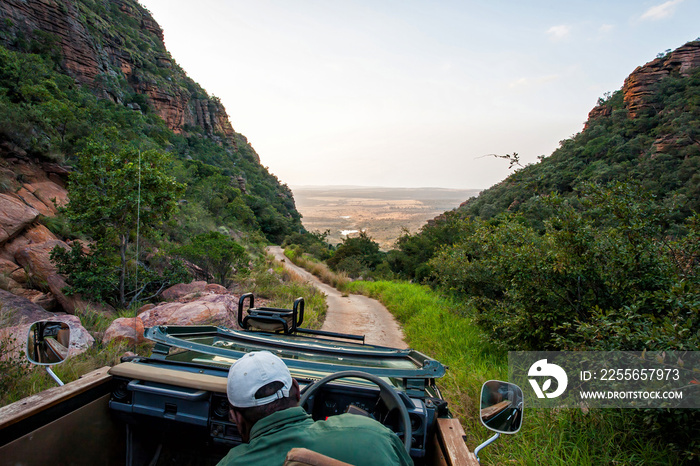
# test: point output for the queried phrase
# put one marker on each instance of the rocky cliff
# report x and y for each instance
(117, 62)
(639, 87)
(73, 70)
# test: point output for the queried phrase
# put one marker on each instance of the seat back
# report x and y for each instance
(270, 319)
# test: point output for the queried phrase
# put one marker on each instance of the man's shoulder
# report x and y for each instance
(231, 459)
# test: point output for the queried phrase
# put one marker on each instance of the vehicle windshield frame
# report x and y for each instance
(301, 353)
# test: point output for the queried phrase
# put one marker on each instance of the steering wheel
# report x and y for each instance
(386, 393)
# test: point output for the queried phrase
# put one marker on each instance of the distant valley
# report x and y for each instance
(382, 212)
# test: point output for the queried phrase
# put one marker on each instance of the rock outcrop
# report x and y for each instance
(639, 86)
(176, 292)
(15, 215)
(208, 309)
(202, 307)
(90, 50)
(34, 189)
(16, 310)
(35, 258)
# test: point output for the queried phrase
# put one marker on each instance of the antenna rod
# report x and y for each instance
(138, 223)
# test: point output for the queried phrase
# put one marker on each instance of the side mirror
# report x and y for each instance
(47, 344)
(501, 407)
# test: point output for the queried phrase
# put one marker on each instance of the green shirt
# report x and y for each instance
(355, 439)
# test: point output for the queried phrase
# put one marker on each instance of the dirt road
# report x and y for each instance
(353, 314)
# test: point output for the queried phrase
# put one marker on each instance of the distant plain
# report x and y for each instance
(383, 213)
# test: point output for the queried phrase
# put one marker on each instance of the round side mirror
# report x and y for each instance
(501, 406)
(48, 342)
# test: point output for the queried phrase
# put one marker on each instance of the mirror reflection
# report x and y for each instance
(501, 406)
(48, 342)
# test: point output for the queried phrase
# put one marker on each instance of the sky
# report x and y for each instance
(413, 93)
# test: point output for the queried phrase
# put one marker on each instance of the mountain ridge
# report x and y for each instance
(646, 131)
(93, 54)
(116, 50)
(82, 74)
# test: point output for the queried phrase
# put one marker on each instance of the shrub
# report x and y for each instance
(356, 254)
(217, 254)
(604, 260)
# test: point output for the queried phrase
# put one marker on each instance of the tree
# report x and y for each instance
(119, 193)
(356, 253)
(217, 254)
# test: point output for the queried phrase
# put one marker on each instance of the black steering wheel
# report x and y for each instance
(386, 393)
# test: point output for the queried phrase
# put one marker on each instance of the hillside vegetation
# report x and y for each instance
(138, 95)
(595, 247)
(155, 162)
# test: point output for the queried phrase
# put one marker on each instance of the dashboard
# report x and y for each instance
(167, 407)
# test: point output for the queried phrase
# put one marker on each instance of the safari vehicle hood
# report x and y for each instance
(308, 358)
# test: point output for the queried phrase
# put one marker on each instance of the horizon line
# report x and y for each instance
(352, 186)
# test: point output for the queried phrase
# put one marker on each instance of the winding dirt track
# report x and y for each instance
(353, 314)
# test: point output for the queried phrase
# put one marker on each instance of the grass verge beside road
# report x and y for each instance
(437, 326)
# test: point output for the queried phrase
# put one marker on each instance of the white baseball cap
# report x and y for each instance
(253, 371)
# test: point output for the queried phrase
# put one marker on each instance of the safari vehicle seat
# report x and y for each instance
(270, 319)
(306, 457)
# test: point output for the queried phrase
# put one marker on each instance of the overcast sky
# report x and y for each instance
(413, 92)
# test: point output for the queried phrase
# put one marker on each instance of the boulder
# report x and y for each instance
(16, 310)
(71, 303)
(215, 288)
(8, 284)
(15, 215)
(146, 307)
(7, 268)
(80, 338)
(19, 276)
(128, 329)
(51, 194)
(211, 309)
(39, 234)
(31, 200)
(176, 292)
(33, 235)
(35, 258)
(46, 300)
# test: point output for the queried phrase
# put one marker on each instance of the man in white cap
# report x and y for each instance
(264, 402)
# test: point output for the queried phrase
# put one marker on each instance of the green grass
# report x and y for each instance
(33, 379)
(432, 326)
(441, 328)
(319, 269)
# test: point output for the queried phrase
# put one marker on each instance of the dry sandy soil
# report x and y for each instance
(382, 212)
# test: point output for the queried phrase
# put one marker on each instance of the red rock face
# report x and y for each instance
(14, 216)
(81, 60)
(639, 85)
(86, 58)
